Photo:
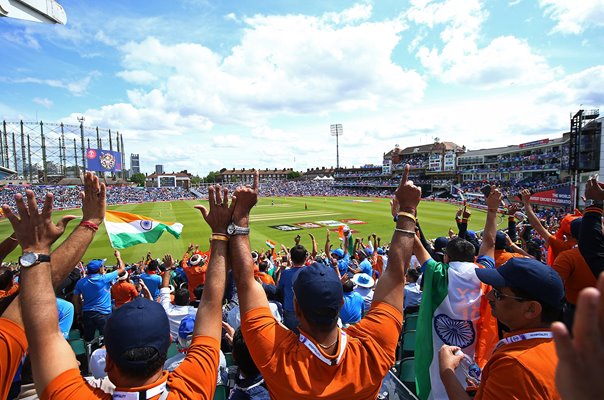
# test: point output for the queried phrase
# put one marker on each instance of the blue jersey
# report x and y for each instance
(153, 283)
(286, 286)
(65, 309)
(96, 291)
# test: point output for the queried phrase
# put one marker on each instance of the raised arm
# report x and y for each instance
(532, 217)
(591, 242)
(208, 321)
(49, 352)
(313, 253)
(390, 287)
(121, 267)
(487, 248)
(71, 251)
(251, 295)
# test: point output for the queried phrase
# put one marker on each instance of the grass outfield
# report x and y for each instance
(436, 218)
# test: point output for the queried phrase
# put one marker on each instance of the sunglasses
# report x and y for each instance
(498, 295)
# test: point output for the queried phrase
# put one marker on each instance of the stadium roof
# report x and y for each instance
(514, 148)
(427, 148)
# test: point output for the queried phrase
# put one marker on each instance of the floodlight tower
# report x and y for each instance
(337, 131)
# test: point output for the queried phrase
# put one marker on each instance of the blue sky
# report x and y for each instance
(202, 85)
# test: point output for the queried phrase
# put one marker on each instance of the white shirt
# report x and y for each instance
(175, 313)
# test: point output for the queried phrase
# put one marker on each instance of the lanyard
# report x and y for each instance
(313, 349)
(146, 394)
(524, 336)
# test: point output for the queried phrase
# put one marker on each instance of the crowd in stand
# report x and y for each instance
(484, 315)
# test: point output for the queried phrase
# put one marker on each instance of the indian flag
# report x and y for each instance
(453, 311)
(125, 229)
(270, 243)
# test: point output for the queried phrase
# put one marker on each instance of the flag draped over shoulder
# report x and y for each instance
(125, 229)
(453, 311)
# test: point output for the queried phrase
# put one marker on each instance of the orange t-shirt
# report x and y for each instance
(502, 256)
(292, 371)
(265, 278)
(521, 370)
(195, 378)
(13, 346)
(575, 273)
(196, 275)
(557, 246)
(123, 292)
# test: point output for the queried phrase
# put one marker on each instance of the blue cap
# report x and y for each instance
(541, 282)
(500, 240)
(440, 244)
(380, 251)
(338, 253)
(471, 234)
(186, 327)
(368, 251)
(95, 265)
(319, 293)
(139, 323)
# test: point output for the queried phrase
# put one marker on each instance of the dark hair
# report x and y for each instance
(6, 279)
(549, 313)
(153, 265)
(324, 312)
(263, 266)
(298, 254)
(181, 297)
(242, 357)
(413, 273)
(198, 291)
(459, 249)
(153, 362)
(348, 286)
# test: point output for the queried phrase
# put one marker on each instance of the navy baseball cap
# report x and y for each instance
(541, 282)
(95, 265)
(440, 244)
(319, 293)
(575, 228)
(137, 324)
(500, 240)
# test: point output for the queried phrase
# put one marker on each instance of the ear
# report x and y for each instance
(532, 310)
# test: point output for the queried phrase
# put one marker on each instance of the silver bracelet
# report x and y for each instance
(404, 231)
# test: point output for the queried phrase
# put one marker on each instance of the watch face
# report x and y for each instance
(28, 259)
(231, 229)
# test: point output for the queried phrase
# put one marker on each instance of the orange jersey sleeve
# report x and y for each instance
(13, 345)
(71, 385)
(195, 378)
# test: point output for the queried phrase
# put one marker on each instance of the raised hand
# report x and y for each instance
(594, 190)
(247, 197)
(35, 230)
(494, 199)
(525, 196)
(168, 261)
(93, 199)
(220, 214)
(407, 195)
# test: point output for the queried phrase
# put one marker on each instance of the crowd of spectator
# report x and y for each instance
(491, 313)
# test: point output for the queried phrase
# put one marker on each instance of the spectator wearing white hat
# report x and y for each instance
(364, 286)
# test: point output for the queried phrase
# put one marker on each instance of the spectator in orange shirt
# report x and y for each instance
(324, 362)
(123, 291)
(263, 275)
(137, 335)
(195, 268)
(502, 255)
(527, 296)
(575, 274)
(555, 244)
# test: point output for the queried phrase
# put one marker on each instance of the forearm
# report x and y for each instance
(209, 316)
(512, 228)
(69, 253)
(534, 222)
(591, 243)
(38, 299)
(420, 251)
(121, 267)
(165, 279)
(454, 389)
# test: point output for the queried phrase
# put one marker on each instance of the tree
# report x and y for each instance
(212, 175)
(293, 175)
(138, 178)
(195, 180)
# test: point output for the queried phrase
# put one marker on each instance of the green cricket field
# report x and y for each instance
(278, 219)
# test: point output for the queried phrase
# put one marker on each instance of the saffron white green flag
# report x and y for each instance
(453, 311)
(125, 229)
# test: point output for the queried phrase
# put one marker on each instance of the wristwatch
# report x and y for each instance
(28, 259)
(233, 229)
(590, 202)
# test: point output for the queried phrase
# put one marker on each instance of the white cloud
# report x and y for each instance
(584, 87)
(76, 87)
(574, 17)
(137, 76)
(226, 141)
(503, 61)
(44, 102)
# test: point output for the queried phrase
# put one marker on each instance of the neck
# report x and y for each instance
(529, 325)
(329, 339)
(125, 382)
